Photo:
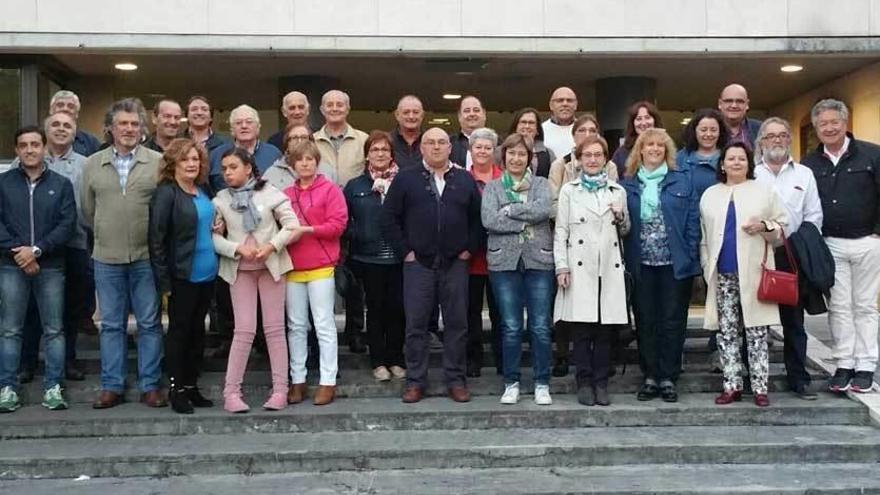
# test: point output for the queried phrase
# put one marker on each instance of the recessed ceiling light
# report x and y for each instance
(685, 121)
(464, 73)
(126, 66)
(451, 96)
(439, 120)
(791, 68)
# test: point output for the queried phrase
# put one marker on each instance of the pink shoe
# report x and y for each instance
(276, 402)
(234, 404)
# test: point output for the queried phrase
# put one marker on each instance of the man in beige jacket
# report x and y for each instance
(117, 185)
(340, 144)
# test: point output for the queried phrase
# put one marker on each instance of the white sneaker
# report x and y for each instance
(397, 372)
(382, 374)
(511, 394)
(542, 395)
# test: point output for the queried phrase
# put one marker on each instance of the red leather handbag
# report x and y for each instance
(778, 286)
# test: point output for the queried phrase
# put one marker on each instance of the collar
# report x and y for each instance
(843, 149)
(326, 135)
(131, 153)
(17, 164)
(785, 166)
(431, 171)
(554, 122)
(64, 156)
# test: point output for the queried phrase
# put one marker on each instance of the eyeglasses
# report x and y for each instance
(782, 136)
(299, 138)
(239, 123)
(596, 156)
(380, 150)
(731, 101)
(439, 142)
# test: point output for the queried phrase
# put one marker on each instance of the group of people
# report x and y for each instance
(546, 224)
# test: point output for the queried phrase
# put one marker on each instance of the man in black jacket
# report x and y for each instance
(37, 218)
(432, 220)
(471, 116)
(848, 177)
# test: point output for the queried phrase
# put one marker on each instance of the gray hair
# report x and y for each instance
(762, 131)
(483, 133)
(129, 105)
(244, 108)
(64, 94)
(49, 117)
(343, 93)
(829, 104)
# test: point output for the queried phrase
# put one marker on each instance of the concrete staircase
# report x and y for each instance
(369, 442)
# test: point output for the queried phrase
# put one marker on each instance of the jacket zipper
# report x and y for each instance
(31, 205)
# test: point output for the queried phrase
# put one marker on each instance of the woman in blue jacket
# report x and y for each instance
(704, 137)
(662, 253)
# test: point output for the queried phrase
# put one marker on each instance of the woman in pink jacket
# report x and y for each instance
(320, 207)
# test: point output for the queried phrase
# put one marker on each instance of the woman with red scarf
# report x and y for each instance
(372, 259)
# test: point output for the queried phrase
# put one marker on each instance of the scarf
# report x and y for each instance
(516, 190)
(243, 202)
(651, 192)
(382, 179)
(592, 183)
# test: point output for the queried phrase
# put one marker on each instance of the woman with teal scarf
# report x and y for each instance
(662, 255)
(591, 300)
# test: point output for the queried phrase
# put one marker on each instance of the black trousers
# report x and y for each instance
(185, 341)
(383, 288)
(354, 303)
(422, 288)
(78, 290)
(794, 335)
(592, 352)
(478, 285)
(661, 307)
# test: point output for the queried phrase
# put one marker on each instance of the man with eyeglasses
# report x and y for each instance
(847, 172)
(734, 105)
(557, 129)
(796, 186)
(471, 116)
(245, 124)
(432, 221)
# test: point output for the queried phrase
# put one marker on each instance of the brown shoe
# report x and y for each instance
(459, 394)
(412, 394)
(107, 399)
(154, 398)
(324, 395)
(296, 393)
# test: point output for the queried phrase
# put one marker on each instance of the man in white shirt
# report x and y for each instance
(557, 129)
(797, 188)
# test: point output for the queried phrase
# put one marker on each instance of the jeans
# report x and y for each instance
(852, 309)
(422, 288)
(16, 288)
(515, 291)
(78, 292)
(383, 285)
(661, 308)
(123, 288)
(477, 286)
(319, 296)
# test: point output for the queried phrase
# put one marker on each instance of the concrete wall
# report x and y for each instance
(413, 25)
(860, 90)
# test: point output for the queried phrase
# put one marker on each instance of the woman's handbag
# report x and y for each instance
(777, 286)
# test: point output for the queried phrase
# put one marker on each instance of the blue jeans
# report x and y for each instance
(123, 288)
(47, 287)
(531, 290)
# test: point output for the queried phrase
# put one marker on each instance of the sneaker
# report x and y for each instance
(511, 394)
(542, 395)
(8, 400)
(649, 390)
(840, 381)
(53, 399)
(668, 392)
(381, 373)
(397, 372)
(862, 382)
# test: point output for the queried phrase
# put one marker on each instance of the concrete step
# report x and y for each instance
(248, 454)
(695, 352)
(389, 414)
(667, 479)
(360, 384)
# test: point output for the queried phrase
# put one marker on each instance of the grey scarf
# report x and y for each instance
(243, 202)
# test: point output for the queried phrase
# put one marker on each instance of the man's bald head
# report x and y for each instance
(563, 105)
(409, 113)
(295, 108)
(435, 147)
(734, 104)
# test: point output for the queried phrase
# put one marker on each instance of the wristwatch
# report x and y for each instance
(37, 251)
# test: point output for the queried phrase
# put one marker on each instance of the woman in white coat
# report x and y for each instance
(738, 217)
(590, 219)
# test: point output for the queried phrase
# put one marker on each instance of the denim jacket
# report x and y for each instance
(681, 214)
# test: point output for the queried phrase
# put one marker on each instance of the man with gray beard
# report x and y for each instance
(797, 188)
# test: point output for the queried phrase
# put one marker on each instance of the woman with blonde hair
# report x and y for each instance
(661, 256)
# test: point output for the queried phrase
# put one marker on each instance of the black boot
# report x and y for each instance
(196, 398)
(179, 401)
(356, 343)
(561, 367)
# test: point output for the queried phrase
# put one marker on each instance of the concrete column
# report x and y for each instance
(313, 87)
(614, 95)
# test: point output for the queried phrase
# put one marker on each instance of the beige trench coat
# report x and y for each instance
(585, 245)
(751, 200)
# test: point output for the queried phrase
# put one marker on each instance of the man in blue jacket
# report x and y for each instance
(37, 219)
(432, 221)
